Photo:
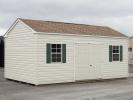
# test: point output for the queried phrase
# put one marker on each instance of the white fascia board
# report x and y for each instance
(65, 34)
(11, 27)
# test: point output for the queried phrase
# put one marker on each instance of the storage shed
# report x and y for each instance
(45, 52)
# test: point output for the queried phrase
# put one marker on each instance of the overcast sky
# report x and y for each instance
(117, 14)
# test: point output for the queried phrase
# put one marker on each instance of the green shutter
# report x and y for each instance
(121, 53)
(63, 53)
(110, 53)
(48, 53)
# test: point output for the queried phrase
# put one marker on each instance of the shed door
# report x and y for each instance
(87, 61)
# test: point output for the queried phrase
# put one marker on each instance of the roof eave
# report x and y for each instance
(65, 34)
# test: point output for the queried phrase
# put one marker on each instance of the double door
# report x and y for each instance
(88, 61)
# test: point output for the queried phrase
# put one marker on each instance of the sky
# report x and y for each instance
(117, 14)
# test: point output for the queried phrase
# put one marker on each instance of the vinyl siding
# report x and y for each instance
(20, 54)
(115, 69)
(56, 73)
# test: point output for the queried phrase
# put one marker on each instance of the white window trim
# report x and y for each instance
(56, 53)
(116, 53)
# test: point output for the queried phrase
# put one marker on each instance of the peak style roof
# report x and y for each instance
(71, 28)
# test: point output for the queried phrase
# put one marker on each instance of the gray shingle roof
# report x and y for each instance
(71, 28)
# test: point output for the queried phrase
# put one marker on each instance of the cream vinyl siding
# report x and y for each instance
(59, 72)
(54, 72)
(20, 54)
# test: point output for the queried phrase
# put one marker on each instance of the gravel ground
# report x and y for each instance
(131, 68)
(120, 89)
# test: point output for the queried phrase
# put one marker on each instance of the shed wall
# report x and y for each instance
(55, 73)
(20, 54)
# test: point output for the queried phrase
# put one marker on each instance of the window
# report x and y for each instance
(116, 53)
(56, 53)
(130, 49)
